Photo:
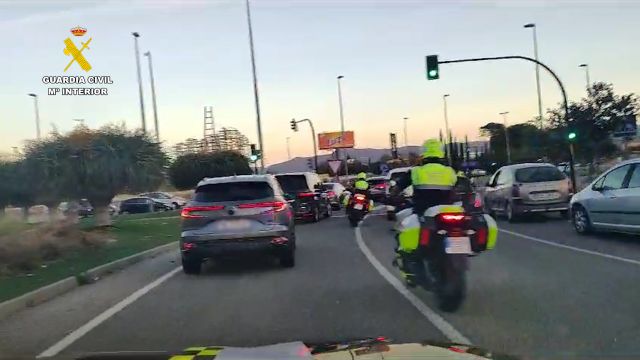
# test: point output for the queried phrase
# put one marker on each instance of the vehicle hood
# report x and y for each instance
(369, 349)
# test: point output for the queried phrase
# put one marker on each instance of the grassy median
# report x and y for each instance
(129, 235)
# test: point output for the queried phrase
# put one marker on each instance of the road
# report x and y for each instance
(544, 292)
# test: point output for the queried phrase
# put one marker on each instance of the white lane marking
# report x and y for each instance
(56, 348)
(441, 324)
(585, 251)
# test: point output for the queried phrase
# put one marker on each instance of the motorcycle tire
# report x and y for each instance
(353, 221)
(451, 289)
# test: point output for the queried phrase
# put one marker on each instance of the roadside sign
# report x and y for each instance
(334, 165)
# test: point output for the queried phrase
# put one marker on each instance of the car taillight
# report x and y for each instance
(306, 194)
(379, 186)
(477, 201)
(188, 246)
(515, 190)
(331, 194)
(275, 205)
(187, 212)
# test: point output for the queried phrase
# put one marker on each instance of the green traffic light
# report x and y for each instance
(571, 135)
(433, 73)
(253, 157)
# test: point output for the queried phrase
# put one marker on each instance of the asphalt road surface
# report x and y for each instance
(544, 292)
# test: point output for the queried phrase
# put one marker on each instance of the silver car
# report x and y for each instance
(527, 188)
(611, 202)
(236, 215)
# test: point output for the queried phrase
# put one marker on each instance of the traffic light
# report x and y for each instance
(572, 135)
(254, 153)
(433, 73)
(294, 125)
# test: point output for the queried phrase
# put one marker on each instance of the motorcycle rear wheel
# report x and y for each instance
(451, 287)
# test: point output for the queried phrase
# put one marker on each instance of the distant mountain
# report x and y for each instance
(363, 155)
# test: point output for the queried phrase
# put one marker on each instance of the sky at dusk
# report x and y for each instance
(201, 57)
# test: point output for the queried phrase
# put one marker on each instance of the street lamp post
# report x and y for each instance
(135, 41)
(586, 72)
(288, 149)
(153, 96)
(346, 167)
(255, 87)
(535, 55)
(446, 125)
(35, 103)
(406, 142)
(506, 135)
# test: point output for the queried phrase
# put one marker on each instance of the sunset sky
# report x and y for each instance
(201, 57)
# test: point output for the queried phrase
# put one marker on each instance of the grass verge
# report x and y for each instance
(131, 237)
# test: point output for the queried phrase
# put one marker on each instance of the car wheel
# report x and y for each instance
(510, 213)
(288, 258)
(580, 220)
(191, 265)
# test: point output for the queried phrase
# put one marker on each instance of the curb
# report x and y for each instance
(58, 288)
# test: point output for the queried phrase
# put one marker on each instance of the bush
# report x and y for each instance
(187, 170)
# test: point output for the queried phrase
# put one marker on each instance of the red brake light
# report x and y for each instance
(276, 205)
(452, 218)
(477, 202)
(331, 193)
(424, 236)
(187, 212)
(482, 235)
(359, 198)
(306, 194)
(379, 186)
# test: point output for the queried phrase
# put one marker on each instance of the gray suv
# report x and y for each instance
(527, 188)
(235, 215)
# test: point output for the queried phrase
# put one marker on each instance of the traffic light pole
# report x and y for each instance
(313, 136)
(564, 96)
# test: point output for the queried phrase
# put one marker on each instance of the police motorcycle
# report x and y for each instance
(356, 207)
(444, 236)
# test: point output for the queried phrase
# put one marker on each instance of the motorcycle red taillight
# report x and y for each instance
(360, 199)
(452, 219)
(481, 236)
(424, 236)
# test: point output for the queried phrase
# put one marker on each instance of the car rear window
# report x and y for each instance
(539, 174)
(376, 181)
(233, 191)
(293, 183)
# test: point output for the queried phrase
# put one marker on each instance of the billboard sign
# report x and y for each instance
(335, 140)
(628, 127)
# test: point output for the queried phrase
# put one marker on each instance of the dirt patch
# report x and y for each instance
(29, 248)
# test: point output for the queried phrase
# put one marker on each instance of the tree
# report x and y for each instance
(109, 161)
(187, 170)
(7, 184)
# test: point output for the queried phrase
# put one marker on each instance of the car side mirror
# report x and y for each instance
(597, 188)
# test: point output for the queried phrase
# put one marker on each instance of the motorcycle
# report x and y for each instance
(357, 207)
(447, 236)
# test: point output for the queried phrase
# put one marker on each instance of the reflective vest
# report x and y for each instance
(433, 176)
(361, 185)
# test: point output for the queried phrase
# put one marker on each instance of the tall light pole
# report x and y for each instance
(35, 103)
(406, 142)
(586, 72)
(288, 149)
(346, 166)
(135, 41)
(255, 87)
(446, 125)
(535, 54)
(506, 135)
(153, 96)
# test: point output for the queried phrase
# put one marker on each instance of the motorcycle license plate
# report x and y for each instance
(458, 245)
(357, 206)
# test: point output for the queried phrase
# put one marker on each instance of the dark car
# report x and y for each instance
(140, 205)
(378, 188)
(334, 194)
(236, 215)
(309, 201)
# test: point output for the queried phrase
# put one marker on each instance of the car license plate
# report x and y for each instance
(357, 206)
(233, 224)
(458, 245)
(545, 196)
